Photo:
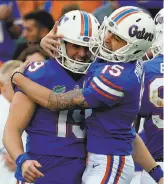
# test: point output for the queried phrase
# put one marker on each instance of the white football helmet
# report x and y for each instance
(77, 28)
(158, 45)
(131, 24)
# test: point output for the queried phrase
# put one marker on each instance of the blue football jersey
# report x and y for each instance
(113, 92)
(152, 105)
(7, 44)
(55, 132)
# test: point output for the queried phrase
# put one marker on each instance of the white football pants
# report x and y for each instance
(108, 169)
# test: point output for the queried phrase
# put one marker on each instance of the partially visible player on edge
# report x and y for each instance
(153, 100)
(55, 150)
(113, 92)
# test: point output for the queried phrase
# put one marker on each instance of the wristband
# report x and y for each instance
(156, 173)
(13, 85)
(19, 161)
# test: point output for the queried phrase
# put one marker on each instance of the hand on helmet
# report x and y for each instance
(50, 42)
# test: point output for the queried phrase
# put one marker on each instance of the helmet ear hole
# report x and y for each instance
(74, 17)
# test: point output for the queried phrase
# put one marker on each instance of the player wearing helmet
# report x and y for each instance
(79, 35)
(54, 146)
(113, 92)
(152, 101)
(128, 25)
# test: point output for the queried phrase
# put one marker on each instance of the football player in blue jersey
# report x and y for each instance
(113, 92)
(10, 28)
(153, 100)
(55, 149)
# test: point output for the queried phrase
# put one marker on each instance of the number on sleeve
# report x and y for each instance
(114, 70)
(35, 66)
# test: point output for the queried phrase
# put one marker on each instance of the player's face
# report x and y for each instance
(113, 42)
(30, 31)
(78, 53)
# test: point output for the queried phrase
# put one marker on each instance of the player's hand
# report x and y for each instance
(30, 172)
(161, 181)
(51, 41)
(9, 162)
(22, 67)
(15, 74)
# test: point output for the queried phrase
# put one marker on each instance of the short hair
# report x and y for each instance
(7, 68)
(31, 50)
(43, 18)
(70, 7)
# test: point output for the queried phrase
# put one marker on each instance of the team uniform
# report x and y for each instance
(55, 139)
(152, 111)
(7, 44)
(113, 93)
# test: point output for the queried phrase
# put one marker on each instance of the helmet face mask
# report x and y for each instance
(127, 23)
(73, 64)
(77, 28)
(97, 46)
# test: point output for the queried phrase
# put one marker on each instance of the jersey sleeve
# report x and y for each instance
(35, 71)
(145, 107)
(104, 89)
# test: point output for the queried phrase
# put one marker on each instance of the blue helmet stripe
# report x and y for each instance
(86, 24)
(124, 14)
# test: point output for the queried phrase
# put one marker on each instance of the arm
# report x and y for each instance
(21, 112)
(6, 15)
(142, 156)
(87, 98)
(18, 118)
(47, 98)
